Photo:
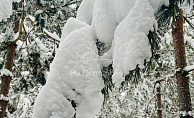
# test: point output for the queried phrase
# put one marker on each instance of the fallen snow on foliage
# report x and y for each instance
(6, 72)
(70, 79)
(131, 44)
(71, 25)
(53, 35)
(5, 9)
(85, 11)
(104, 21)
(75, 82)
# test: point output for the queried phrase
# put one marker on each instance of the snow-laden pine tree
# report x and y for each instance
(174, 13)
(124, 33)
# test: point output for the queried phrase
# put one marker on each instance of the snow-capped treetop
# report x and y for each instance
(5, 9)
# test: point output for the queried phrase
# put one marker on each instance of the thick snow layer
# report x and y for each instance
(121, 12)
(85, 11)
(71, 25)
(6, 72)
(104, 20)
(72, 79)
(5, 9)
(75, 75)
(107, 15)
(131, 44)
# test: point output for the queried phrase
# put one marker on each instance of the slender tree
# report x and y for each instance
(164, 15)
(6, 79)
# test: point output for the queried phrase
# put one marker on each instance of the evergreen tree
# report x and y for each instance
(164, 17)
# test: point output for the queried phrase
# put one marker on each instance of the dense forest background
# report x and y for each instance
(36, 27)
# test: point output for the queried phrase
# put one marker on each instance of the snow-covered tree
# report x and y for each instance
(109, 58)
(165, 14)
(125, 35)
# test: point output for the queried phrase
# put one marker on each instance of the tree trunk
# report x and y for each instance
(5, 80)
(159, 101)
(180, 59)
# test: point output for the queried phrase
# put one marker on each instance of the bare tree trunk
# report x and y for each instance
(159, 102)
(180, 59)
(5, 80)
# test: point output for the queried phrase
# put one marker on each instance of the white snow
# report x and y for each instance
(2, 97)
(108, 14)
(85, 11)
(38, 12)
(6, 72)
(1, 59)
(130, 44)
(189, 68)
(71, 25)
(157, 85)
(16, 35)
(68, 80)
(1, 38)
(16, 1)
(76, 72)
(53, 35)
(5, 9)
(104, 20)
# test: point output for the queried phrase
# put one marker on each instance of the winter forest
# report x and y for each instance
(96, 58)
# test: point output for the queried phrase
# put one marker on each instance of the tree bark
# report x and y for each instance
(180, 60)
(159, 101)
(5, 80)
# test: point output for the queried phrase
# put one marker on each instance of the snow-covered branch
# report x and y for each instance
(189, 68)
(52, 36)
